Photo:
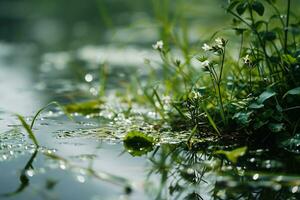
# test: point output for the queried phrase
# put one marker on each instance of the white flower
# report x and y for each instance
(246, 60)
(206, 47)
(159, 45)
(205, 63)
(166, 99)
(219, 42)
(196, 95)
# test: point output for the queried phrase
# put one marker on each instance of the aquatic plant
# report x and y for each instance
(251, 93)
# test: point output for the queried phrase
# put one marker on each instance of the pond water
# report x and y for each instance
(84, 157)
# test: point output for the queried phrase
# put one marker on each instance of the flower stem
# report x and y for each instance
(286, 28)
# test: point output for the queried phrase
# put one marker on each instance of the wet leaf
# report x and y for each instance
(265, 96)
(234, 154)
(138, 143)
(295, 91)
(256, 105)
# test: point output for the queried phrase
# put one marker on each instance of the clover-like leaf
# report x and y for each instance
(138, 143)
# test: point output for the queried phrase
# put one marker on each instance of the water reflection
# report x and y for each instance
(197, 174)
(26, 172)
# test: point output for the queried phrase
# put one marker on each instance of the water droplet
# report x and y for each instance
(62, 166)
(277, 187)
(279, 178)
(80, 179)
(190, 171)
(88, 78)
(30, 172)
(295, 189)
(255, 176)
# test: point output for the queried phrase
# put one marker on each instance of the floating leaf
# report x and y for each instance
(258, 7)
(265, 95)
(234, 154)
(138, 143)
(295, 91)
(85, 108)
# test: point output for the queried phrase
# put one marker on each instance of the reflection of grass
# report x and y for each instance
(23, 177)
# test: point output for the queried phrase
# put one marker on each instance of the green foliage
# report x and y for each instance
(253, 93)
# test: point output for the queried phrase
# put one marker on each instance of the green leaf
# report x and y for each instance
(241, 8)
(276, 127)
(242, 118)
(138, 143)
(212, 123)
(289, 59)
(29, 131)
(234, 154)
(295, 91)
(265, 95)
(258, 7)
(256, 105)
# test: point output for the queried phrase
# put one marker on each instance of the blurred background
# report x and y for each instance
(67, 24)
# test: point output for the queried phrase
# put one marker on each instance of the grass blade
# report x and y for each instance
(29, 130)
(42, 109)
(212, 123)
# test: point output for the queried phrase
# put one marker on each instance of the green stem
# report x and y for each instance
(286, 28)
(219, 86)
